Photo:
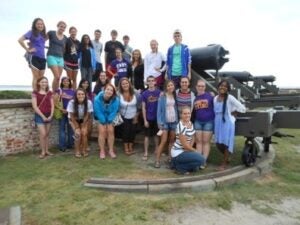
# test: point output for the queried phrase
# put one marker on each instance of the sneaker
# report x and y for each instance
(182, 173)
(157, 164)
(102, 155)
(159, 133)
(112, 154)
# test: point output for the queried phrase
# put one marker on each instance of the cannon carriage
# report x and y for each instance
(268, 109)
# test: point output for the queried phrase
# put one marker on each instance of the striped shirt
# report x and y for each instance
(184, 99)
(188, 132)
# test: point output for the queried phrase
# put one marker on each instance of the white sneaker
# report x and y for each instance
(159, 133)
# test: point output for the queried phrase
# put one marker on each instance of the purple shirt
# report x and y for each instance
(121, 67)
(204, 107)
(36, 42)
(67, 95)
(151, 99)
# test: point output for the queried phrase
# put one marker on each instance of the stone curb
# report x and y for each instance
(10, 216)
(206, 182)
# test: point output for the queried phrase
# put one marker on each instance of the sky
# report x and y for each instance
(262, 36)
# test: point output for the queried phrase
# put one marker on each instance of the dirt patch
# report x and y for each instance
(285, 213)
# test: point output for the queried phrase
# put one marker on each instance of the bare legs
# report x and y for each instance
(57, 71)
(81, 140)
(224, 149)
(146, 146)
(106, 132)
(203, 142)
(72, 74)
(36, 74)
(164, 138)
(44, 131)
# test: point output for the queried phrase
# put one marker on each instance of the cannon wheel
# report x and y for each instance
(249, 154)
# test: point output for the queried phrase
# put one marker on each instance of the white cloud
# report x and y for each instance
(262, 36)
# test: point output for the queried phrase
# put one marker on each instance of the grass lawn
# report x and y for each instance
(51, 191)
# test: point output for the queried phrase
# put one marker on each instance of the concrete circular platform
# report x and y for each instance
(204, 182)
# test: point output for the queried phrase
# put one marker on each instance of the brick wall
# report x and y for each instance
(16, 132)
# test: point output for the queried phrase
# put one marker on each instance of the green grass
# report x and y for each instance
(15, 94)
(51, 191)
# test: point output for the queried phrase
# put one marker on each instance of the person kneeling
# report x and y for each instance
(185, 158)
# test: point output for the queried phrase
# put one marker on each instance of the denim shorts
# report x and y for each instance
(55, 61)
(39, 120)
(204, 126)
(170, 126)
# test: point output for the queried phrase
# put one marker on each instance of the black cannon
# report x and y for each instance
(267, 78)
(241, 77)
(211, 57)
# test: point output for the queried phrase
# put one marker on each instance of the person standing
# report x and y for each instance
(119, 67)
(87, 58)
(149, 109)
(184, 95)
(226, 107)
(203, 107)
(35, 49)
(55, 54)
(137, 70)
(98, 48)
(100, 83)
(65, 94)
(127, 49)
(71, 56)
(106, 107)
(110, 50)
(154, 65)
(129, 109)
(167, 119)
(179, 60)
(43, 106)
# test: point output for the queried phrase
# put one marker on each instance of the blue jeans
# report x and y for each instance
(188, 161)
(65, 133)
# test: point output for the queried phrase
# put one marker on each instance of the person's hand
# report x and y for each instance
(135, 120)
(31, 50)
(234, 113)
(146, 124)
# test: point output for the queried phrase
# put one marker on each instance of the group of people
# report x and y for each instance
(155, 89)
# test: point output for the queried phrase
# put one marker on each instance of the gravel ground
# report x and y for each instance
(285, 213)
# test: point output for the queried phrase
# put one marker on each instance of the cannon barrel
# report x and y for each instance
(241, 77)
(267, 78)
(211, 57)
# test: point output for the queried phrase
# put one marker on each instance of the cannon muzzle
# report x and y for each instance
(211, 57)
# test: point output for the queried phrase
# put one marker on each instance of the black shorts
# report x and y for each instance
(152, 129)
(37, 63)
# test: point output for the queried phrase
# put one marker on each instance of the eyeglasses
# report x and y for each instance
(200, 85)
(176, 36)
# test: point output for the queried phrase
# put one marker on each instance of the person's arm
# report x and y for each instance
(146, 124)
(185, 144)
(106, 59)
(36, 108)
(74, 124)
(237, 106)
(52, 108)
(21, 41)
(115, 108)
(189, 75)
(109, 70)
